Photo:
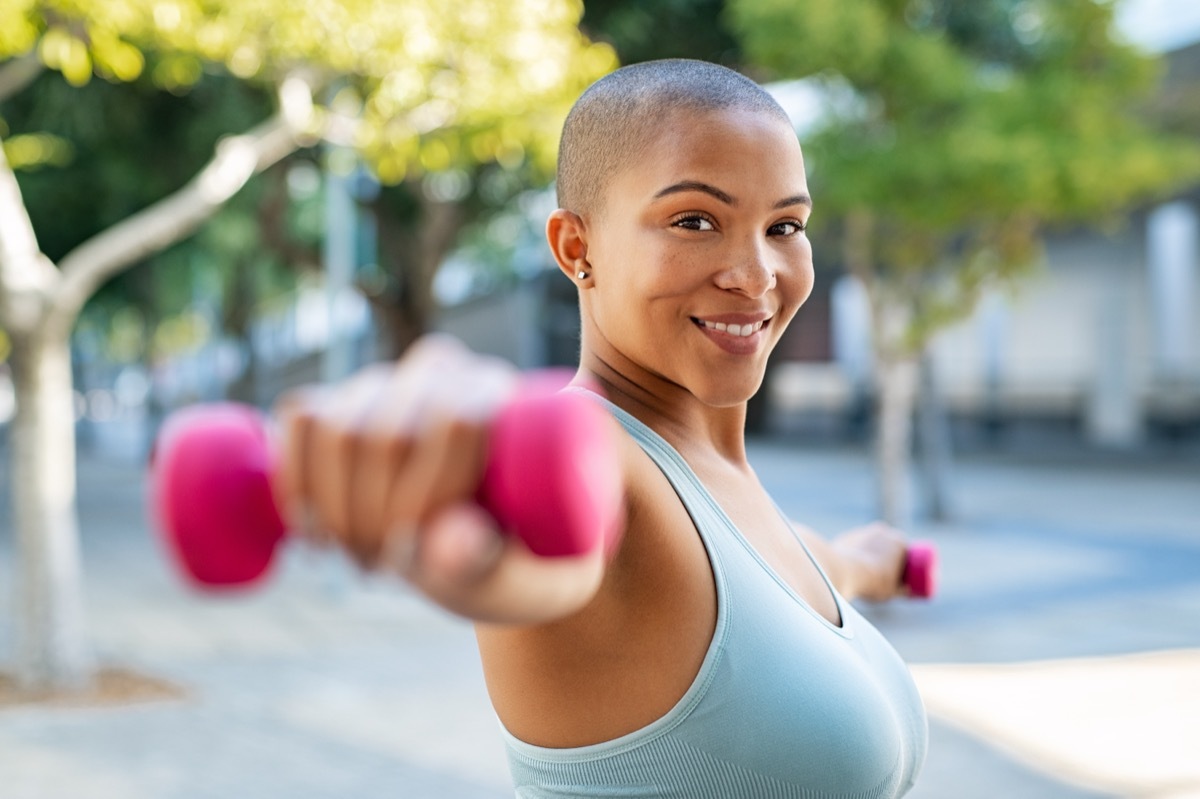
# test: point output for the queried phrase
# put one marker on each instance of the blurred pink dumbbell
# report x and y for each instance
(551, 477)
(920, 569)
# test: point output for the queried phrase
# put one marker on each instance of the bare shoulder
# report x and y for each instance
(628, 656)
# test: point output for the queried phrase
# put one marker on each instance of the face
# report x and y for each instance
(698, 258)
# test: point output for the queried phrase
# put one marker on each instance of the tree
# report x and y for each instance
(664, 29)
(119, 147)
(954, 133)
(412, 86)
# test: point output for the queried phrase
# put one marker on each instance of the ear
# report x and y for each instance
(567, 236)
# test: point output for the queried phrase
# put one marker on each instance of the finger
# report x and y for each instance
(456, 453)
(444, 457)
(332, 444)
(290, 486)
(443, 467)
(413, 455)
(454, 379)
(388, 432)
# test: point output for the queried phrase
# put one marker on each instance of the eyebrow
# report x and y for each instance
(725, 197)
(795, 199)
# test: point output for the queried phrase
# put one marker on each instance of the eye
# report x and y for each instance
(692, 221)
(789, 227)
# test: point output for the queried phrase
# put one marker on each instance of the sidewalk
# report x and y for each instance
(326, 684)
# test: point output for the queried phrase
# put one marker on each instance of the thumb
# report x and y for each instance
(459, 545)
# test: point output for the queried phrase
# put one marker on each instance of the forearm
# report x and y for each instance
(863, 563)
(836, 565)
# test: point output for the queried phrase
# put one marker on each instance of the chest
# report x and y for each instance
(788, 700)
(750, 508)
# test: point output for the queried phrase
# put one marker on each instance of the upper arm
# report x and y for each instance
(627, 655)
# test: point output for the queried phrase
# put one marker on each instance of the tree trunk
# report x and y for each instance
(895, 369)
(897, 395)
(38, 308)
(52, 646)
(413, 251)
(150, 306)
(237, 316)
(933, 435)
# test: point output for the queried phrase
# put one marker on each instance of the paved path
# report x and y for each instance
(327, 684)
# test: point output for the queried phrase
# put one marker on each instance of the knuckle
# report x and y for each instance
(433, 347)
(393, 448)
(353, 440)
(338, 437)
(297, 420)
(462, 430)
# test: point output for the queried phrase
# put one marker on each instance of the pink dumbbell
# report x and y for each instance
(552, 477)
(920, 569)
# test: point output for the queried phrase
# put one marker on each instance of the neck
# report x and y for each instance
(694, 428)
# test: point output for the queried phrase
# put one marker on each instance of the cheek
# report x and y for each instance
(808, 279)
(668, 276)
(653, 270)
(796, 281)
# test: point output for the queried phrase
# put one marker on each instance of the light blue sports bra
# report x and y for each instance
(785, 704)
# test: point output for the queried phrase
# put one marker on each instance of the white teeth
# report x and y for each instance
(734, 330)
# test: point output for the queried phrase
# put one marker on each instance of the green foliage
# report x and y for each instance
(36, 150)
(972, 126)
(127, 146)
(438, 84)
(643, 31)
(460, 101)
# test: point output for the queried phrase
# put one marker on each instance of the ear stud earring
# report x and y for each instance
(582, 275)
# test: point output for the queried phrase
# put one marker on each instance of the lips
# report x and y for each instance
(732, 329)
(737, 334)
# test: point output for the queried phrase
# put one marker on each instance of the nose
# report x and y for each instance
(751, 272)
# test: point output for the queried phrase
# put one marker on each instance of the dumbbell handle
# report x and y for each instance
(551, 476)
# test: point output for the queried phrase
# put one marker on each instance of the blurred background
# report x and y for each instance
(219, 200)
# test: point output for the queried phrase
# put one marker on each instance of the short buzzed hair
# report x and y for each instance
(621, 114)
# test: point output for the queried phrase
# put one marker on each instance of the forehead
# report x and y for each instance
(753, 150)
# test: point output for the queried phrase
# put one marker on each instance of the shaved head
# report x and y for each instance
(623, 113)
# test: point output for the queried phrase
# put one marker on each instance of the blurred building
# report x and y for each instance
(1103, 342)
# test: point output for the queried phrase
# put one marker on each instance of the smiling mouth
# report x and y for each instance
(741, 331)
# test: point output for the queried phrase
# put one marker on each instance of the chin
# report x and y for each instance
(727, 396)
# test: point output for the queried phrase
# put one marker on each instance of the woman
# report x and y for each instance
(712, 653)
